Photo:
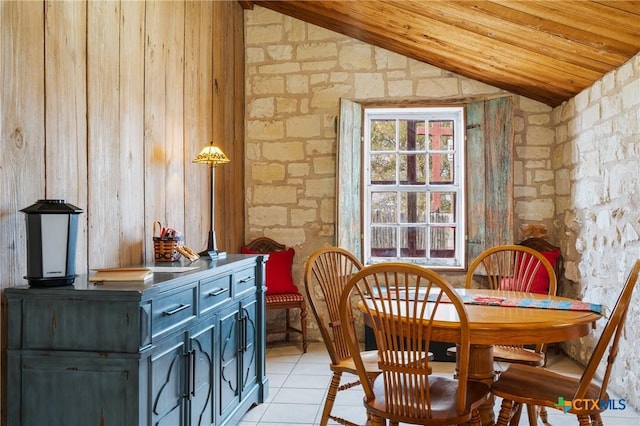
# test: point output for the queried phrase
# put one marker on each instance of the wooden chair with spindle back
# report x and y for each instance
(524, 384)
(553, 255)
(326, 274)
(515, 268)
(401, 300)
(527, 269)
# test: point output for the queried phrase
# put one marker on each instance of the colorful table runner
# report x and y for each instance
(515, 302)
(567, 305)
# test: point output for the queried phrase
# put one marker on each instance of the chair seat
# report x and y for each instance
(517, 355)
(284, 298)
(369, 358)
(443, 399)
(538, 386)
(512, 354)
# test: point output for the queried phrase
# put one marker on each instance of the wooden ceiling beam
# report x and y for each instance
(599, 26)
(548, 51)
(522, 33)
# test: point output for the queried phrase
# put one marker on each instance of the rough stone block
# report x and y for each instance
(267, 215)
(274, 194)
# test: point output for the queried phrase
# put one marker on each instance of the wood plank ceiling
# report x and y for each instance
(546, 50)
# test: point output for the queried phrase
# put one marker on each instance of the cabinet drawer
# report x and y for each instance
(245, 281)
(214, 291)
(65, 323)
(173, 309)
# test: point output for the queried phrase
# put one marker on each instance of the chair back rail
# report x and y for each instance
(512, 266)
(265, 245)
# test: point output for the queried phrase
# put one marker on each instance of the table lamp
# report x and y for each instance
(211, 155)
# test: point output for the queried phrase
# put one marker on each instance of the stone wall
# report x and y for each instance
(576, 168)
(596, 162)
(296, 74)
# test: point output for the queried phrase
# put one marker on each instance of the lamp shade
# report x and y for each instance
(211, 155)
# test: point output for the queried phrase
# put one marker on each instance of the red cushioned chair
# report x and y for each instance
(282, 293)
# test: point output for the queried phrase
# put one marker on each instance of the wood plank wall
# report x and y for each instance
(105, 104)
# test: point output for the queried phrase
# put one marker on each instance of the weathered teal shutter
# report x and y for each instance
(489, 153)
(489, 159)
(348, 177)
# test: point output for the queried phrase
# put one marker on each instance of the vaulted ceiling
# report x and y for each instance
(547, 50)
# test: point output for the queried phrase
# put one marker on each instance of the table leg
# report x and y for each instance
(481, 369)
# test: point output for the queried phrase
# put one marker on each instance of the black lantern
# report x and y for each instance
(52, 231)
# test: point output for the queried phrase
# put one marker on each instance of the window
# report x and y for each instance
(414, 186)
(475, 181)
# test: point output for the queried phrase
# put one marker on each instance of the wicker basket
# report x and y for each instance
(164, 249)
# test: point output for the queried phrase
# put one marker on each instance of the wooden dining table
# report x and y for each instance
(492, 324)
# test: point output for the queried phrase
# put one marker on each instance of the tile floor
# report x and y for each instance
(298, 383)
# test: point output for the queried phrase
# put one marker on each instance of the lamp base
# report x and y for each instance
(213, 254)
(212, 248)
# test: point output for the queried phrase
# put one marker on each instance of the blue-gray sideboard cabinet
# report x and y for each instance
(184, 348)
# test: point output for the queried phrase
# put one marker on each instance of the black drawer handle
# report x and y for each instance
(176, 310)
(218, 292)
(245, 280)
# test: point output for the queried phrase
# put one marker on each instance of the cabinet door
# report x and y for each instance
(229, 360)
(73, 390)
(167, 382)
(201, 374)
(249, 345)
(238, 352)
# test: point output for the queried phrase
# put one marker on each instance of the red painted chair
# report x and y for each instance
(282, 293)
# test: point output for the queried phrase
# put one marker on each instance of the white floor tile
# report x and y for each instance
(298, 384)
(299, 396)
(302, 381)
(312, 369)
(278, 367)
(276, 380)
(290, 413)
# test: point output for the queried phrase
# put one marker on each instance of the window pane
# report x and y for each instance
(443, 242)
(402, 133)
(441, 135)
(442, 207)
(383, 168)
(441, 166)
(413, 207)
(383, 135)
(412, 169)
(383, 207)
(413, 242)
(413, 181)
(383, 241)
(412, 135)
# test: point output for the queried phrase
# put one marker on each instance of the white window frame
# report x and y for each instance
(455, 114)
